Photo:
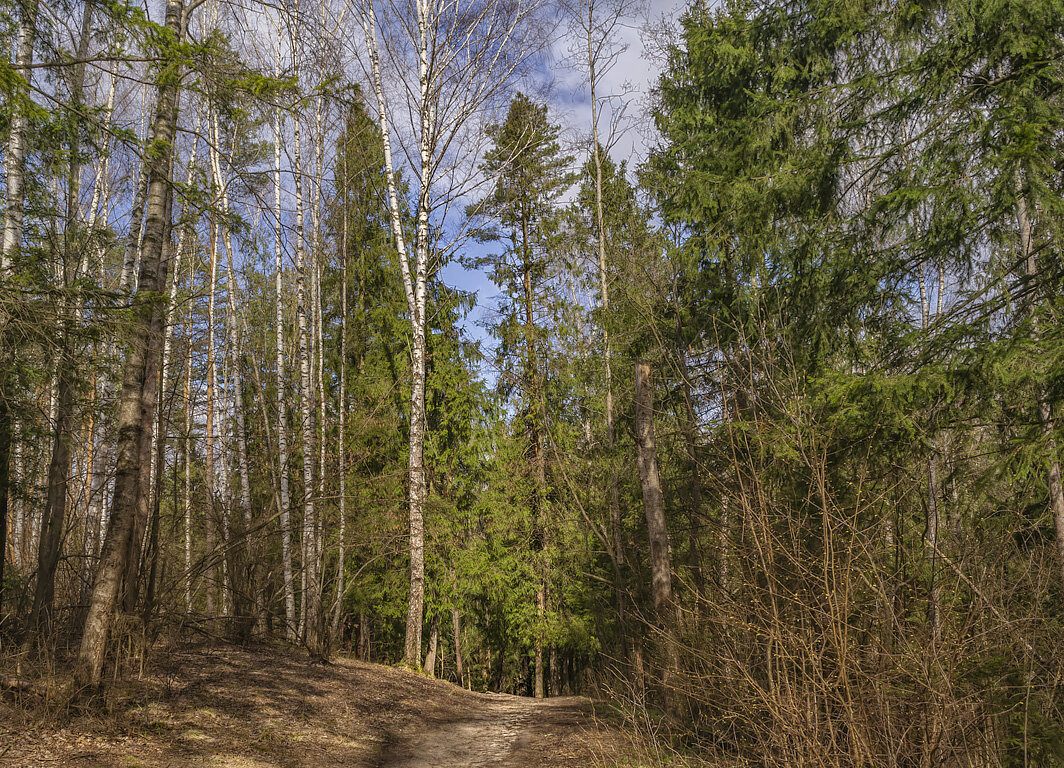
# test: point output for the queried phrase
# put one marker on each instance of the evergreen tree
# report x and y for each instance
(528, 174)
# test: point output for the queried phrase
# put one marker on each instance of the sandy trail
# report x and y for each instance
(497, 732)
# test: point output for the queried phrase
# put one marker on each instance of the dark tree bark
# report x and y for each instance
(456, 619)
(48, 551)
(434, 641)
(653, 497)
(131, 594)
(657, 530)
(138, 387)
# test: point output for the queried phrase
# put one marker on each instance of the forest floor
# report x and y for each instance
(228, 707)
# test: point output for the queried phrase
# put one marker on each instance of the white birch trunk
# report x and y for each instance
(15, 154)
(209, 471)
(187, 501)
(234, 345)
(342, 415)
(282, 435)
(312, 589)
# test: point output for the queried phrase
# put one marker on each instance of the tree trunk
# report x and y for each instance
(49, 548)
(187, 442)
(282, 433)
(653, 498)
(241, 566)
(152, 470)
(319, 356)
(541, 610)
(312, 591)
(694, 558)
(657, 530)
(17, 139)
(430, 657)
(134, 239)
(342, 415)
(98, 454)
(418, 495)
(58, 480)
(364, 642)
(209, 473)
(456, 620)
(5, 472)
(555, 673)
(137, 387)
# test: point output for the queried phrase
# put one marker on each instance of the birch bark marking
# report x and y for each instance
(15, 156)
(418, 494)
(312, 591)
(209, 477)
(137, 388)
(319, 332)
(282, 438)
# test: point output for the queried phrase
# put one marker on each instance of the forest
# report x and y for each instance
(351, 329)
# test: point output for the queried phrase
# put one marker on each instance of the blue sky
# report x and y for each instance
(630, 82)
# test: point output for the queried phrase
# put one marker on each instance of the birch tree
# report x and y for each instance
(14, 170)
(436, 70)
(283, 470)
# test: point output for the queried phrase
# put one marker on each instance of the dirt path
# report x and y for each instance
(234, 708)
(501, 731)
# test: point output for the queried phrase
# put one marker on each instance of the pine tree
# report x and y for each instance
(529, 174)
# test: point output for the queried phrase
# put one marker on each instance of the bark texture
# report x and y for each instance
(282, 429)
(137, 386)
(653, 497)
